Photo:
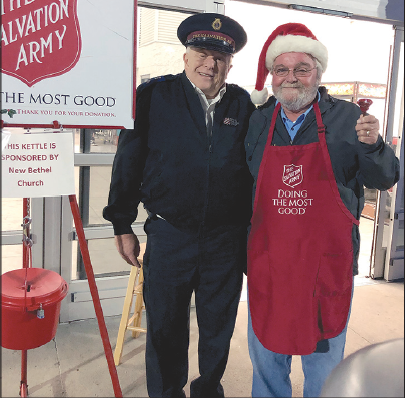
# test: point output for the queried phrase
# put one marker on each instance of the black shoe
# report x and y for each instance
(197, 390)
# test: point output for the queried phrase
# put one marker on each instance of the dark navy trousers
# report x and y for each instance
(176, 263)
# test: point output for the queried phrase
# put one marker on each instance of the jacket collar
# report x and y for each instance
(194, 105)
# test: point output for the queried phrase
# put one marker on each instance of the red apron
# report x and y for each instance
(300, 251)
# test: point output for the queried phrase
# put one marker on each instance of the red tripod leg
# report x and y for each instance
(23, 383)
(94, 294)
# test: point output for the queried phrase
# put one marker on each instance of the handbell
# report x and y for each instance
(364, 104)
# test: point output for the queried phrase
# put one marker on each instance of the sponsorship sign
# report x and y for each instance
(38, 165)
(69, 61)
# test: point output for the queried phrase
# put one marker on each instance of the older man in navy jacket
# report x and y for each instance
(185, 160)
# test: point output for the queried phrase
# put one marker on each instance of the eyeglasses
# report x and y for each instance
(297, 72)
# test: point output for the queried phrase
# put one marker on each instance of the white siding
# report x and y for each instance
(168, 23)
(148, 26)
(189, 5)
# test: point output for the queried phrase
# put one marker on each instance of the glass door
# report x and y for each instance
(388, 244)
(394, 261)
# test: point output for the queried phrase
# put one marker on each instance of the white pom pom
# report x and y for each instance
(259, 97)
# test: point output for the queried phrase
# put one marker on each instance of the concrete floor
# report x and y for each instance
(73, 364)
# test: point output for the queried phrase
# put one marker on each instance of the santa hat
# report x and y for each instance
(290, 37)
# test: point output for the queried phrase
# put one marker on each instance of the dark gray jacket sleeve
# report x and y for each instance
(124, 196)
(379, 167)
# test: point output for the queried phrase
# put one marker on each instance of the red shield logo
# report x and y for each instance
(292, 175)
(40, 39)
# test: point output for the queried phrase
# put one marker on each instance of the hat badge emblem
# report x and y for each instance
(217, 24)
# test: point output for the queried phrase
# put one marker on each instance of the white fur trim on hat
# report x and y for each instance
(294, 43)
(259, 97)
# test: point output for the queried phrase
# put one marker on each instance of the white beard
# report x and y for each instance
(304, 96)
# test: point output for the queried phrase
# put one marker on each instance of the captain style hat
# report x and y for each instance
(212, 31)
(290, 37)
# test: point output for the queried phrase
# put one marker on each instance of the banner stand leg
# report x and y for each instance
(94, 294)
(26, 236)
(23, 382)
(93, 288)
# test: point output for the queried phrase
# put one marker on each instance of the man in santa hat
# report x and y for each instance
(310, 155)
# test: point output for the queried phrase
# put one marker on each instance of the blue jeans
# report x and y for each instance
(271, 371)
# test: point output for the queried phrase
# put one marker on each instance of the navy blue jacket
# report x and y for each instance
(354, 163)
(170, 163)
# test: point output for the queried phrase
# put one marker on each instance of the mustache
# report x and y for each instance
(292, 85)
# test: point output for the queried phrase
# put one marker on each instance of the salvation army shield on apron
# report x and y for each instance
(300, 252)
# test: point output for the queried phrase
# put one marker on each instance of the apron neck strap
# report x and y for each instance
(321, 126)
(273, 123)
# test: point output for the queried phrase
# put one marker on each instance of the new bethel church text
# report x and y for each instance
(30, 173)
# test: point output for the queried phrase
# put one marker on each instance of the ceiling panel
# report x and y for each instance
(391, 11)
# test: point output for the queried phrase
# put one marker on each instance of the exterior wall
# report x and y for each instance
(189, 5)
(148, 29)
(160, 51)
(158, 59)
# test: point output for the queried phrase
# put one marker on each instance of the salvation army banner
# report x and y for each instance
(70, 61)
(37, 165)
